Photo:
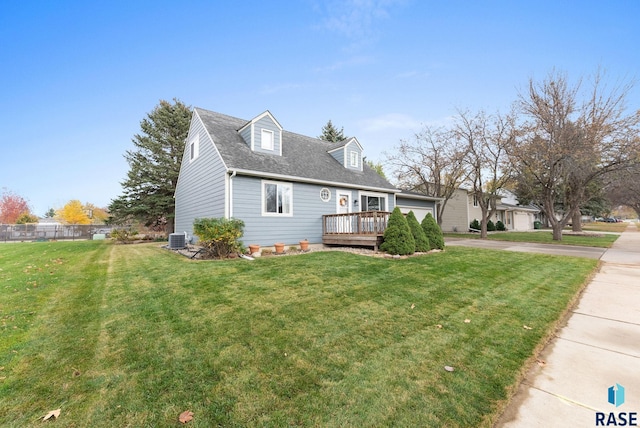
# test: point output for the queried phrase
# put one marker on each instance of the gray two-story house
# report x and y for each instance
(284, 186)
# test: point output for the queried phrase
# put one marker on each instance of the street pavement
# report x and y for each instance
(597, 349)
(529, 247)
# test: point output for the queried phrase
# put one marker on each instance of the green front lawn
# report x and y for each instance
(544, 237)
(133, 335)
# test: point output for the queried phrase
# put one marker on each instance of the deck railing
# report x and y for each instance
(358, 223)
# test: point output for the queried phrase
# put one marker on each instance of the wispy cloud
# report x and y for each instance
(390, 121)
(355, 19)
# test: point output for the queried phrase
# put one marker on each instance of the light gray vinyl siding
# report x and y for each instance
(419, 207)
(305, 222)
(245, 133)
(267, 124)
(338, 155)
(456, 216)
(353, 148)
(200, 191)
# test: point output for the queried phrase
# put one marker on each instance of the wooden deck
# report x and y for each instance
(355, 229)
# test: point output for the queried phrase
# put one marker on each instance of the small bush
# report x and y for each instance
(397, 236)
(219, 236)
(433, 232)
(475, 224)
(124, 236)
(422, 242)
(500, 226)
(491, 227)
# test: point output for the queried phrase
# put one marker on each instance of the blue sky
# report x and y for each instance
(77, 76)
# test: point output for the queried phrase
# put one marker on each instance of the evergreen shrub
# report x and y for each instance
(433, 232)
(491, 227)
(475, 224)
(397, 236)
(422, 242)
(500, 226)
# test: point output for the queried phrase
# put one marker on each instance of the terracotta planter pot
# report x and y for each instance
(254, 248)
(279, 248)
(304, 245)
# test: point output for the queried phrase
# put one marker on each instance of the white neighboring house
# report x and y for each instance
(463, 208)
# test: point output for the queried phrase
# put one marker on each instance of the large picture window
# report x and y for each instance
(373, 203)
(277, 198)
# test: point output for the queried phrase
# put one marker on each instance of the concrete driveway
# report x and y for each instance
(528, 247)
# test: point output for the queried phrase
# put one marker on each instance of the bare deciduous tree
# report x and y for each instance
(486, 138)
(565, 145)
(431, 164)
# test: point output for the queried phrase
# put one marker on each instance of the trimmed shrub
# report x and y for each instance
(397, 236)
(124, 236)
(475, 224)
(219, 236)
(422, 242)
(491, 227)
(500, 226)
(433, 232)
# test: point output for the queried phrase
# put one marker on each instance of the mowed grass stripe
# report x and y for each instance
(321, 339)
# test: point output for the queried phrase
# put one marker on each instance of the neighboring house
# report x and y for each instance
(463, 208)
(281, 184)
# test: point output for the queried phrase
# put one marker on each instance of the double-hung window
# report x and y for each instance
(266, 139)
(277, 198)
(373, 203)
(353, 159)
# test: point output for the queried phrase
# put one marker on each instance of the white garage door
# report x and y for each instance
(420, 213)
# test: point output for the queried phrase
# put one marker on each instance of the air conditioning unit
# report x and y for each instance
(177, 241)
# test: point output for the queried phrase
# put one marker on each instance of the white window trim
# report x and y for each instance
(376, 194)
(195, 142)
(262, 139)
(354, 159)
(328, 191)
(264, 201)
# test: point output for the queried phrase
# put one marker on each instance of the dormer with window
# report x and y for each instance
(263, 134)
(349, 154)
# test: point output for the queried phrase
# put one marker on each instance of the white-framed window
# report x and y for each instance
(277, 198)
(475, 200)
(325, 194)
(354, 159)
(373, 202)
(266, 139)
(194, 147)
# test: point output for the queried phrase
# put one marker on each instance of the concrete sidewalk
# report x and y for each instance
(598, 348)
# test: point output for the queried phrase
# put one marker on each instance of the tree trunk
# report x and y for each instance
(557, 232)
(576, 221)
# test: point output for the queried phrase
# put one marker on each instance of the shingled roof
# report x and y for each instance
(303, 158)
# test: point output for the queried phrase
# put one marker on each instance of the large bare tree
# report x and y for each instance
(569, 140)
(488, 171)
(431, 163)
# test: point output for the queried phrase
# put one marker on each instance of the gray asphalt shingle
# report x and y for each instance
(302, 157)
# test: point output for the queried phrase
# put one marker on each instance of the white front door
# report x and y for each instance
(344, 207)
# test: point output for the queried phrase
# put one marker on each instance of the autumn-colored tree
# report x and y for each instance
(96, 214)
(73, 213)
(12, 206)
(27, 218)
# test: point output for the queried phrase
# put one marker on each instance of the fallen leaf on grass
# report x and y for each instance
(413, 306)
(52, 414)
(526, 327)
(185, 416)
(541, 362)
(448, 368)
(439, 325)
(467, 321)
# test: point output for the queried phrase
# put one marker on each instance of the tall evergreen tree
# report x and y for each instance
(154, 166)
(332, 134)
